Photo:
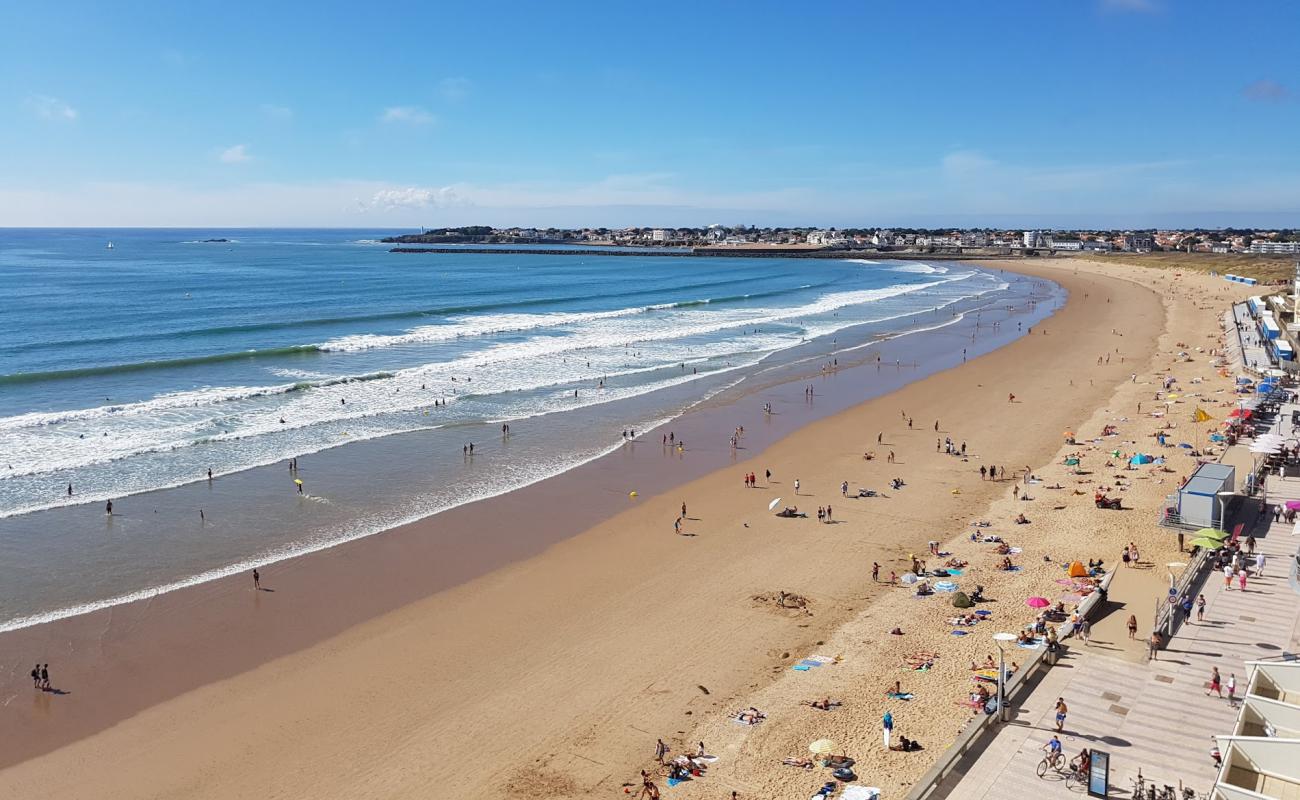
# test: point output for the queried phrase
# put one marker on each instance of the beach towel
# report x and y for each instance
(801, 668)
(860, 793)
(900, 695)
(820, 659)
(811, 662)
(959, 633)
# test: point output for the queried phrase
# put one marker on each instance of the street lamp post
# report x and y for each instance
(998, 639)
(1223, 508)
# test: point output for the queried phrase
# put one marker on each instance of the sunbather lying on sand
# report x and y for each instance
(989, 663)
(825, 704)
(964, 619)
(790, 511)
(750, 716)
(955, 563)
(905, 745)
(802, 763)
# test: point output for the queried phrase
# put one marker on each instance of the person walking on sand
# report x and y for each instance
(677, 526)
(796, 486)
(887, 726)
(1061, 711)
(257, 581)
(875, 571)
(36, 676)
(683, 510)
(1214, 683)
(1132, 626)
(45, 677)
(767, 475)
(661, 750)
(1153, 645)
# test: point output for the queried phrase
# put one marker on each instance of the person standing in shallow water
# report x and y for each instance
(108, 508)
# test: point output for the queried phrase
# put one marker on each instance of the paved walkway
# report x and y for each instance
(1249, 349)
(1153, 716)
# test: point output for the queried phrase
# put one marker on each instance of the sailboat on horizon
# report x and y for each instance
(110, 246)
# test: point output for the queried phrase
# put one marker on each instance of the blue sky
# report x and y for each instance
(1091, 112)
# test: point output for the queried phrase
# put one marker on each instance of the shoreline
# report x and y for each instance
(915, 390)
(333, 466)
(400, 554)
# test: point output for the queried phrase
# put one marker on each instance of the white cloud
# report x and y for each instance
(454, 89)
(410, 115)
(52, 108)
(966, 162)
(277, 112)
(411, 197)
(238, 154)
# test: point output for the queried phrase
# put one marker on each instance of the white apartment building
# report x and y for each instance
(1274, 248)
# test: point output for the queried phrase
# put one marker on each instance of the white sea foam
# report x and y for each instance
(255, 425)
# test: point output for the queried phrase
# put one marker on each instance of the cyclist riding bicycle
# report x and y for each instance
(1053, 748)
(1082, 762)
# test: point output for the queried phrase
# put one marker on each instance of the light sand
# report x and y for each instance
(553, 677)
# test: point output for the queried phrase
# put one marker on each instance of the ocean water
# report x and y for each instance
(135, 368)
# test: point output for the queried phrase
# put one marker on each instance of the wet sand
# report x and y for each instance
(552, 675)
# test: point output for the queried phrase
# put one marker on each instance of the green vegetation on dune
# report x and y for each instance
(1263, 268)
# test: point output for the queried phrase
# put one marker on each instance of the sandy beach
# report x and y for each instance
(554, 676)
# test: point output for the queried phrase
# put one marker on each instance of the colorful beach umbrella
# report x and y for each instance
(1210, 533)
(1038, 602)
(1208, 544)
(1293, 505)
(822, 747)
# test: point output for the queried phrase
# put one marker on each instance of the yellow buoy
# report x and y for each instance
(631, 494)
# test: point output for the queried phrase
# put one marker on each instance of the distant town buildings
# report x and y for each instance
(942, 240)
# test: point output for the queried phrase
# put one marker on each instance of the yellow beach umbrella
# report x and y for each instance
(822, 747)
(298, 481)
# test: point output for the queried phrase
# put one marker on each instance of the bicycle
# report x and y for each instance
(1052, 761)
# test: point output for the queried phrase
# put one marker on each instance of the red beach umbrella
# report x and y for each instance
(1038, 602)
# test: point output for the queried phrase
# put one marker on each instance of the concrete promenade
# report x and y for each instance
(1151, 716)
